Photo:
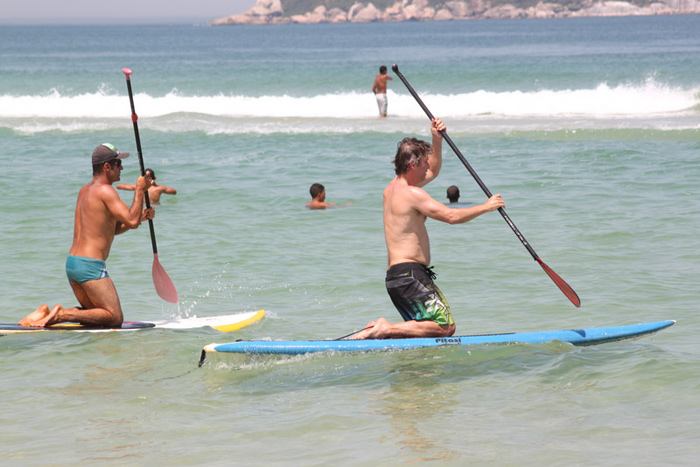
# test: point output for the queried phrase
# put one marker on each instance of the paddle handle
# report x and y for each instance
(135, 119)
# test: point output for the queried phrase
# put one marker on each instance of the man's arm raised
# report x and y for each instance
(435, 158)
(129, 218)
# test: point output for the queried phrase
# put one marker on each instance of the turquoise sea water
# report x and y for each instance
(589, 128)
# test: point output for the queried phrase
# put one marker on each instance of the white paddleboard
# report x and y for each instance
(224, 323)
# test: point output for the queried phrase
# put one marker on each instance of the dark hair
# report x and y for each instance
(453, 194)
(316, 189)
(97, 168)
(153, 174)
(382, 69)
(409, 150)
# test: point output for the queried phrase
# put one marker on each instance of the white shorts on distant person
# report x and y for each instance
(382, 103)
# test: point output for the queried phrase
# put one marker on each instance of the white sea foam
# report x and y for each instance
(630, 100)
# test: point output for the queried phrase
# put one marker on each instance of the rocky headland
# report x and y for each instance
(351, 11)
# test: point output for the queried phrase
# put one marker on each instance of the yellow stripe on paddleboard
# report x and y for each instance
(57, 327)
(21, 331)
(259, 314)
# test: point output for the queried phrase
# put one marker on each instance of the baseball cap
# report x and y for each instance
(106, 152)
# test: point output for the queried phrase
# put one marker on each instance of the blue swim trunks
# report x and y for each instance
(415, 295)
(81, 269)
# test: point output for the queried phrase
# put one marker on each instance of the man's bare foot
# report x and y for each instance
(42, 316)
(34, 316)
(49, 319)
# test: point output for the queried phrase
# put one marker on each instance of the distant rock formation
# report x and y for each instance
(272, 11)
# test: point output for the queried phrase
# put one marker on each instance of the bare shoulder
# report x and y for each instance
(401, 194)
(317, 205)
(414, 192)
(105, 189)
(104, 192)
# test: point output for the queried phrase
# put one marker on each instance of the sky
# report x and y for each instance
(117, 11)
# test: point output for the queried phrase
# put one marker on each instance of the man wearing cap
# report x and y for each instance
(99, 216)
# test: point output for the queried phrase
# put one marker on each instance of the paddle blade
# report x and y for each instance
(161, 280)
(561, 283)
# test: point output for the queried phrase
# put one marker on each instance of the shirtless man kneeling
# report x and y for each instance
(409, 280)
(99, 216)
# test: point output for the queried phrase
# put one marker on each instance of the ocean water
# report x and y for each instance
(589, 128)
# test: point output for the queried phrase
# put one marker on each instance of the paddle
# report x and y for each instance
(563, 286)
(352, 334)
(164, 286)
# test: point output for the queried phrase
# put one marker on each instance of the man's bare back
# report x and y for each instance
(380, 80)
(95, 225)
(404, 226)
(99, 216)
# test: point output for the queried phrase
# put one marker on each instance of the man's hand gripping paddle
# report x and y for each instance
(568, 291)
(164, 286)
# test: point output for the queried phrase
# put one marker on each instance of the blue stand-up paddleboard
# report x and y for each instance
(225, 323)
(579, 337)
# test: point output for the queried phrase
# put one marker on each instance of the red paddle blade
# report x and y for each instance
(561, 283)
(161, 280)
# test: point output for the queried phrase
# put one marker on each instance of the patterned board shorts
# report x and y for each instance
(415, 295)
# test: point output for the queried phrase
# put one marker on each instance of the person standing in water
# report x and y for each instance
(379, 90)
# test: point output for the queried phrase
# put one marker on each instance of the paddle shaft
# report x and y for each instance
(563, 286)
(164, 286)
(353, 333)
(134, 119)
